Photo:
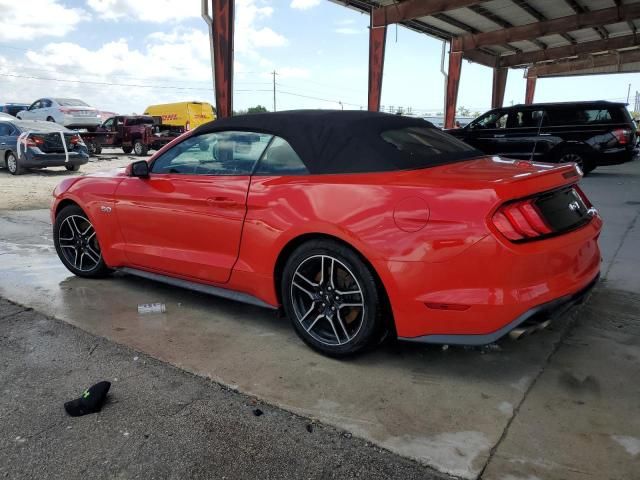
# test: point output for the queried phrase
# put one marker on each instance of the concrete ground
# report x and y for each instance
(159, 422)
(561, 404)
(33, 189)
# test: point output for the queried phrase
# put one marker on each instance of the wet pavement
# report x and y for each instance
(516, 411)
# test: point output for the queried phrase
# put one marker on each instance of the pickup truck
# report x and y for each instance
(133, 133)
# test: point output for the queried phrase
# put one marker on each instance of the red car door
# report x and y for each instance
(186, 219)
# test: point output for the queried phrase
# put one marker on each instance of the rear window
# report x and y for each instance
(71, 102)
(422, 147)
(585, 116)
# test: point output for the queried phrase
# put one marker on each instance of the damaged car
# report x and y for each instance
(29, 144)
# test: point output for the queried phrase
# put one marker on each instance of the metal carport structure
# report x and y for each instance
(546, 37)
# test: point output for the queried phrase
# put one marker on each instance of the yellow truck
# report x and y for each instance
(187, 115)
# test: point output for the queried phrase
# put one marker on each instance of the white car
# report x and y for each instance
(70, 112)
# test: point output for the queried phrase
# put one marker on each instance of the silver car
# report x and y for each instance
(70, 112)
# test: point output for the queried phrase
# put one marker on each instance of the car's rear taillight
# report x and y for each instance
(623, 135)
(521, 220)
(33, 141)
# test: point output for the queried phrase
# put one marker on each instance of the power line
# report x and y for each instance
(113, 84)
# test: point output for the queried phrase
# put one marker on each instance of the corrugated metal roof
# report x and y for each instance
(495, 15)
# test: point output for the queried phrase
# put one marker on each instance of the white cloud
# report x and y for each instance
(146, 10)
(304, 4)
(28, 20)
(248, 34)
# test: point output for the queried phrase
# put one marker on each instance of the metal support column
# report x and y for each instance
(499, 85)
(220, 23)
(531, 90)
(453, 82)
(377, 40)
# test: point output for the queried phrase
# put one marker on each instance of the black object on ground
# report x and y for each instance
(91, 400)
(257, 412)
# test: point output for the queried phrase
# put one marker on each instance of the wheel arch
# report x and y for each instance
(66, 203)
(295, 242)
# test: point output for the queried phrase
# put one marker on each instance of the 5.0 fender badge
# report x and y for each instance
(105, 209)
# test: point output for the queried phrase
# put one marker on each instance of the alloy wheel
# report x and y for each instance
(12, 163)
(328, 300)
(572, 157)
(79, 244)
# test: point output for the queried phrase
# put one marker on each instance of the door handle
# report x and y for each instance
(502, 135)
(221, 202)
(545, 134)
(3, 143)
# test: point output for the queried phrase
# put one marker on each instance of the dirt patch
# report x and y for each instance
(33, 189)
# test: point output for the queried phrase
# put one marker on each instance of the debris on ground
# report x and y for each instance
(309, 428)
(90, 401)
(145, 308)
(257, 412)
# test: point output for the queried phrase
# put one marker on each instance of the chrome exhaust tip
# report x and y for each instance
(523, 331)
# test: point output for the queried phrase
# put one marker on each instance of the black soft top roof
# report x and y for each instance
(329, 141)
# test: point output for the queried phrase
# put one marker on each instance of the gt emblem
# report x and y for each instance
(105, 209)
(574, 206)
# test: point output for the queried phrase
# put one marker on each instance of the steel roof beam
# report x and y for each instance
(412, 9)
(492, 17)
(557, 53)
(585, 64)
(578, 8)
(539, 16)
(532, 31)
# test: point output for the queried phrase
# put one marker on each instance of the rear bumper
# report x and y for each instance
(614, 156)
(547, 311)
(35, 160)
(490, 288)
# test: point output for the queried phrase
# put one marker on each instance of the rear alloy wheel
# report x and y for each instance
(331, 298)
(140, 148)
(72, 168)
(579, 159)
(77, 244)
(13, 164)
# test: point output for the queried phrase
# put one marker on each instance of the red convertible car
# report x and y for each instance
(357, 224)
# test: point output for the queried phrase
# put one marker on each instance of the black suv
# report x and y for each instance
(587, 133)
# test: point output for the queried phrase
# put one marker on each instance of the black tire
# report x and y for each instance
(12, 163)
(94, 148)
(51, 119)
(140, 148)
(321, 320)
(127, 150)
(72, 168)
(580, 157)
(70, 251)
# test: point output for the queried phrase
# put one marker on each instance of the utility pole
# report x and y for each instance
(274, 89)
(628, 93)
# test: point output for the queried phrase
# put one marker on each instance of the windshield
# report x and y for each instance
(422, 147)
(71, 102)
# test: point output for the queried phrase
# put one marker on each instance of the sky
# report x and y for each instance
(122, 55)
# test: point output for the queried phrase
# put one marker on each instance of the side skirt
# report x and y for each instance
(199, 287)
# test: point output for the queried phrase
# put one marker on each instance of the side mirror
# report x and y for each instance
(140, 169)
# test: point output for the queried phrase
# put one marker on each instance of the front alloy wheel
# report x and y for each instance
(77, 244)
(331, 298)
